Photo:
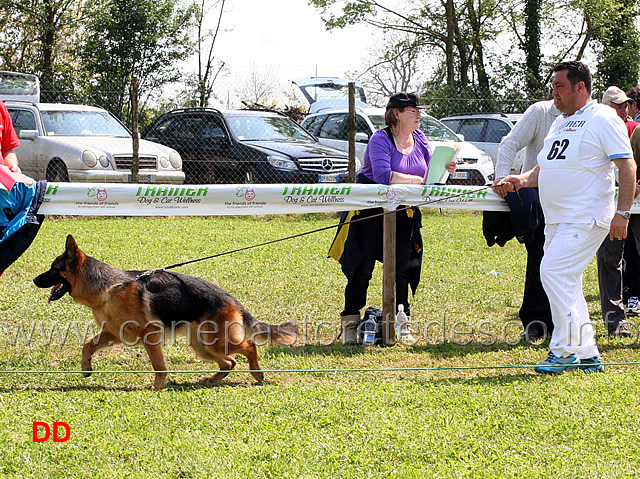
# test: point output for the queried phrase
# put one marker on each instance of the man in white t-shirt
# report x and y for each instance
(576, 180)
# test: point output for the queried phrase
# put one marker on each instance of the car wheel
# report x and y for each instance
(57, 172)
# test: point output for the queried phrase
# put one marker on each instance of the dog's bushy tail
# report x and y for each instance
(263, 334)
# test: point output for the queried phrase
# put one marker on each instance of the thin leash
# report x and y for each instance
(245, 248)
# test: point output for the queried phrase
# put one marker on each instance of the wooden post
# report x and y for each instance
(351, 132)
(135, 163)
(389, 281)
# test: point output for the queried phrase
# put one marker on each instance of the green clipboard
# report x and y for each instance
(437, 172)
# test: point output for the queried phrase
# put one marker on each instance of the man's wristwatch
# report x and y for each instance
(625, 214)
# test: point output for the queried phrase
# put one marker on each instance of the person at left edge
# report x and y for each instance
(397, 154)
(8, 140)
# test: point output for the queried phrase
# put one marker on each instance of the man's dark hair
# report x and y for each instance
(634, 94)
(576, 72)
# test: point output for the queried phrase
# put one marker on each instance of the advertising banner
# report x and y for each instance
(115, 199)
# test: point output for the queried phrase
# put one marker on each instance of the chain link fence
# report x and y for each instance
(70, 141)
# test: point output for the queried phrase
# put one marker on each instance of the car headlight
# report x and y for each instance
(104, 161)
(485, 158)
(89, 158)
(164, 162)
(175, 160)
(281, 162)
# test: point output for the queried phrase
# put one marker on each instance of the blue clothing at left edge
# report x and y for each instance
(19, 221)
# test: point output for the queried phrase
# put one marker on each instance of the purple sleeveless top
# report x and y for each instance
(381, 157)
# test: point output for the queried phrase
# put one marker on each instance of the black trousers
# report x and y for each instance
(369, 236)
(535, 312)
(610, 276)
(631, 270)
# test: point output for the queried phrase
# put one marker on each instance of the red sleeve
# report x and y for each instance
(8, 137)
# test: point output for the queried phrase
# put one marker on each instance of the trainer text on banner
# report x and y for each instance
(201, 200)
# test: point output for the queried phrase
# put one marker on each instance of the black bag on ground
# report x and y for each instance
(377, 315)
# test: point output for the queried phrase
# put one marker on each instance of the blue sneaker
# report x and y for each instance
(591, 365)
(555, 365)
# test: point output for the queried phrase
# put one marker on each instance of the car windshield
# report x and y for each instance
(332, 91)
(435, 130)
(82, 123)
(432, 128)
(266, 128)
(378, 121)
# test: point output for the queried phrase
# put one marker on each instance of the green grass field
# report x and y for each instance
(443, 419)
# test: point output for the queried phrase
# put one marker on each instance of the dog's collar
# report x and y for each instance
(148, 272)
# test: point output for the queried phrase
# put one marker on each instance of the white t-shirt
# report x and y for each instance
(577, 174)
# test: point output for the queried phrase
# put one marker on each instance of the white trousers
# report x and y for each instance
(568, 250)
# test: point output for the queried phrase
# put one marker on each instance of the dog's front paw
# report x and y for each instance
(208, 379)
(86, 366)
(160, 382)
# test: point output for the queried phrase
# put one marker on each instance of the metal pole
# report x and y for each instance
(351, 132)
(389, 281)
(134, 127)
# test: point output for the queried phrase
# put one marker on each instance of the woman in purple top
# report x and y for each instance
(398, 154)
(407, 160)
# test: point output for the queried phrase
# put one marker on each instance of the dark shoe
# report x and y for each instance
(591, 365)
(532, 334)
(622, 330)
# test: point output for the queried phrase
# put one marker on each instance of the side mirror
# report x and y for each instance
(28, 134)
(461, 136)
(362, 137)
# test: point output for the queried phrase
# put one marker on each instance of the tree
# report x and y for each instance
(619, 53)
(133, 38)
(394, 66)
(209, 68)
(456, 28)
(259, 87)
(531, 47)
(36, 37)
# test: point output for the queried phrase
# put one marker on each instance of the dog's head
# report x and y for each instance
(61, 275)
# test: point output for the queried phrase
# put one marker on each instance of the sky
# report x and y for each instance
(286, 38)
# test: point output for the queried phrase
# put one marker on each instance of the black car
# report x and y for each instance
(245, 146)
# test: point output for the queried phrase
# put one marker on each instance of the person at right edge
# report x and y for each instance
(529, 133)
(614, 253)
(576, 179)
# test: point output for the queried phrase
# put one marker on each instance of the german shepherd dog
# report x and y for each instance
(133, 306)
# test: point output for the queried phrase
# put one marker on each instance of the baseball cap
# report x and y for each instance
(403, 99)
(614, 95)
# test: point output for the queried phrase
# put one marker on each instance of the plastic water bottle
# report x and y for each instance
(402, 324)
(369, 331)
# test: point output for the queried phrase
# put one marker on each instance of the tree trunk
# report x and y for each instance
(450, 12)
(478, 54)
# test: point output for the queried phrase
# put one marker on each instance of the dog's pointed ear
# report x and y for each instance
(72, 249)
(71, 244)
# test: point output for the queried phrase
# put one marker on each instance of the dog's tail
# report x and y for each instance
(263, 334)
